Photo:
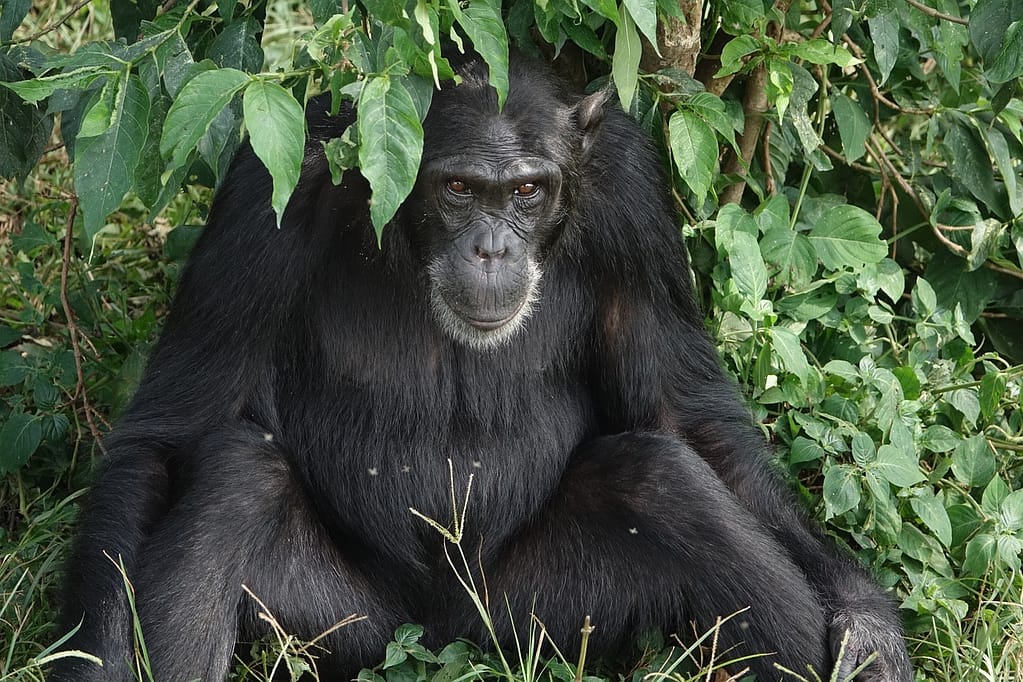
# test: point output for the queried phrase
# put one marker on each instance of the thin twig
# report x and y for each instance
(937, 228)
(52, 27)
(931, 12)
(72, 326)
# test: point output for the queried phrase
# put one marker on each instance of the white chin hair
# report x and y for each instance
(481, 340)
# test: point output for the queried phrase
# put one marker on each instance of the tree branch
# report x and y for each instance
(931, 12)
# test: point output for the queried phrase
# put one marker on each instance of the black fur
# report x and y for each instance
(303, 397)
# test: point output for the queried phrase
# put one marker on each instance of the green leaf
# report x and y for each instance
(644, 14)
(395, 655)
(863, 450)
(973, 463)
(734, 52)
(1008, 63)
(605, 8)
(742, 16)
(14, 368)
(932, 512)
(408, 634)
(804, 450)
(747, 266)
(35, 89)
(1006, 168)
(625, 62)
(695, 150)
(482, 21)
(967, 402)
(953, 284)
(24, 128)
(19, 438)
(884, 32)
(969, 163)
(939, 438)
(390, 145)
(12, 13)
(992, 388)
(899, 468)
(103, 112)
(237, 47)
(792, 254)
(853, 126)
(786, 344)
(780, 84)
(847, 237)
(197, 104)
(276, 126)
(980, 551)
(105, 164)
(1009, 548)
(989, 22)
(820, 51)
(841, 490)
(1012, 511)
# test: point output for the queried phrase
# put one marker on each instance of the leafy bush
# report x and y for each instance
(849, 173)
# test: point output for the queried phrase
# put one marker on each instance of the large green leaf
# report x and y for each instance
(276, 126)
(847, 237)
(12, 13)
(884, 32)
(786, 345)
(841, 490)
(989, 21)
(1008, 62)
(105, 164)
(19, 438)
(970, 164)
(792, 254)
(482, 21)
(932, 512)
(973, 463)
(390, 145)
(625, 63)
(695, 149)
(899, 468)
(237, 47)
(197, 104)
(853, 126)
(24, 128)
(644, 13)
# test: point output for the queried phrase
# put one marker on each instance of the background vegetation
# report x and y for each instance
(849, 177)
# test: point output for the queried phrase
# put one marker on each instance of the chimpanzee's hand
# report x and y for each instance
(869, 633)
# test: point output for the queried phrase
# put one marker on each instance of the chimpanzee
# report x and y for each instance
(529, 316)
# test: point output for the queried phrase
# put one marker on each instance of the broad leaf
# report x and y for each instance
(884, 32)
(19, 438)
(853, 126)
(390, 145)
(625, 64)
(197, 104)
(695, 150)
(841, 490)
(847, 237)
(105, 164)
(644, 13)
(482, 21)
(237, 46)
(276, 126)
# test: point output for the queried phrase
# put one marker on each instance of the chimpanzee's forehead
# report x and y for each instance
(470, 123)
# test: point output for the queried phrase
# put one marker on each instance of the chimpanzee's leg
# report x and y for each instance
(642, 533)
(241, 518)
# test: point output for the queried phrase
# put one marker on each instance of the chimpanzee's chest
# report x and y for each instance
(382, 448)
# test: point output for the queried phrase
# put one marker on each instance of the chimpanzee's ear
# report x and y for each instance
(589, 114)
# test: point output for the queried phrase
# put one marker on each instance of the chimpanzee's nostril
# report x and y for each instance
(484, 254)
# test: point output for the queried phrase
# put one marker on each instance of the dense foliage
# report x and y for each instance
(850, 175)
